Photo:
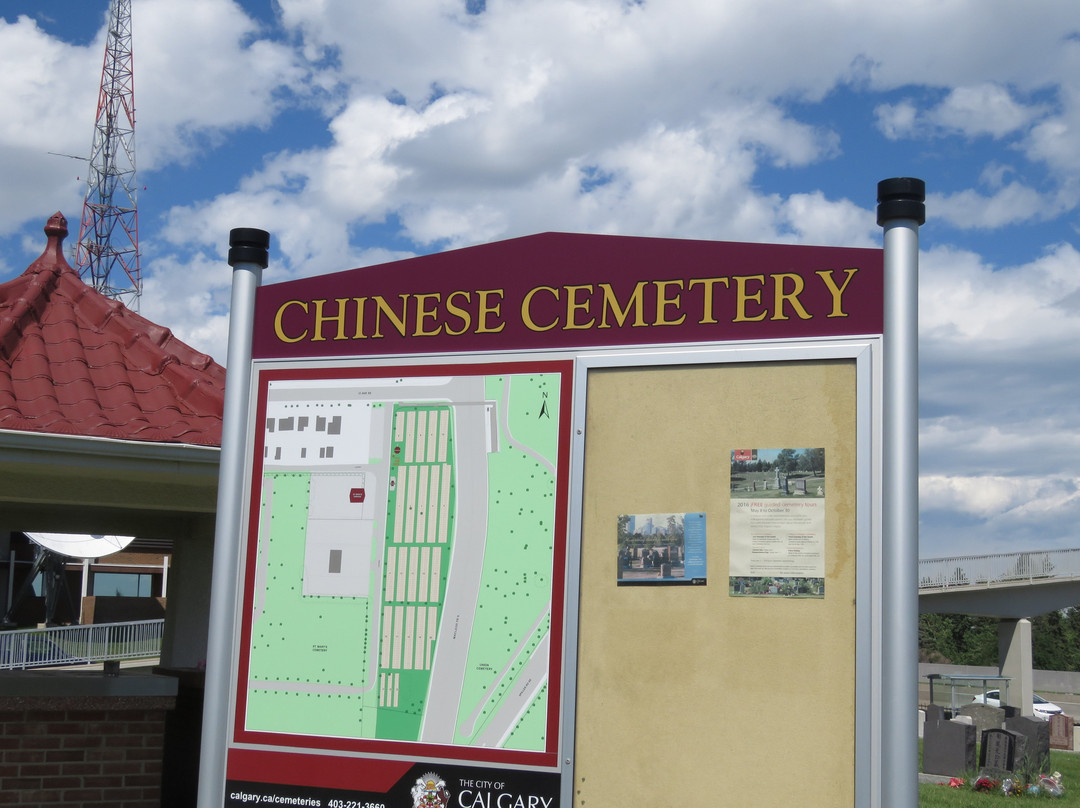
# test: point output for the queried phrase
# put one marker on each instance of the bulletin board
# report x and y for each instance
(606, 384)
(685, 692)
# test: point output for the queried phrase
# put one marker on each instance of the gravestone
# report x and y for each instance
(948, 748)
(1036, 755)
(935, 712)
(984, 716)
(1000, 750)
(1061, 732)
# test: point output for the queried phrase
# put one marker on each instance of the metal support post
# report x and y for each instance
(248, 256)
(901, 210)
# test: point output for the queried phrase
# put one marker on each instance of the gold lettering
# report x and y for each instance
(482, 326)
(707, 310)
(281, 335)
(526, 309)
(321, 319)
(742, 297)
(663, 302)
(457, 311)
(573, 305)
(792, 297)
(423, 313)
(611, 303)
(359, 332)
(382, 307)
(826, 275)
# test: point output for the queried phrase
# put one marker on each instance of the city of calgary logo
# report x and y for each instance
(430, 792)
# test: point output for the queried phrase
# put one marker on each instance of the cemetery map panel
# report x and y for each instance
(401, 577)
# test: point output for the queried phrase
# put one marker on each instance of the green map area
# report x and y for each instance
(403, 572)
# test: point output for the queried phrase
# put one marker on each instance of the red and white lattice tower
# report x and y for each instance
(107, 255)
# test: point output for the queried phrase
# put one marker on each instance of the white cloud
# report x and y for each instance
(1054, 140)
(971, 111)
(814, 219)
(1009, 204)
(192, 299)
(203, 71)
(42, 81)
(983, 109)
(896, 121)
(46, 89)
(967, 305)
(988, 496)
(970, 515)
(1000, 421)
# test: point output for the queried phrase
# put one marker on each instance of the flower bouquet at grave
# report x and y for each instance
(1050, 784)
(1012, 788)
(986, 784)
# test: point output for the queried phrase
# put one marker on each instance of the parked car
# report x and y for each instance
(1043, 708)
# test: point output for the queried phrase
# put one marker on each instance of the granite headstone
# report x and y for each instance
(1061, 732)
(1036, 732)
(984, 716)
(948, 748)
(1000, 750)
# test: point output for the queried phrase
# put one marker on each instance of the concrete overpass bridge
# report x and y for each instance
(1012, 587)
(1009, 585)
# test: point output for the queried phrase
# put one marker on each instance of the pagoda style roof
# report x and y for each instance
(74, 362)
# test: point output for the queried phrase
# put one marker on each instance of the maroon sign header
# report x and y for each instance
(560, 290)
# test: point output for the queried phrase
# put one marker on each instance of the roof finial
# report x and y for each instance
(56, 226)
(56, 229)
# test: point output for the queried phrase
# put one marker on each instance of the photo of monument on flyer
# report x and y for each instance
(661, 548)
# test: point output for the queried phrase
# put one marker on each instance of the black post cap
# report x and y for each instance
(901, 198)
(249, 245)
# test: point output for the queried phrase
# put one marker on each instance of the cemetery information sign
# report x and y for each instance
(409, 626)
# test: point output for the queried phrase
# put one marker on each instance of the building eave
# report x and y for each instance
(68, 483)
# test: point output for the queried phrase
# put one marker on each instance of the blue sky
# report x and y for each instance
(362, 132)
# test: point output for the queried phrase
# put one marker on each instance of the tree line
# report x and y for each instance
(961, 639)
(787, 461)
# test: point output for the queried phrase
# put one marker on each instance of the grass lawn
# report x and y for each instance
(1068, 763)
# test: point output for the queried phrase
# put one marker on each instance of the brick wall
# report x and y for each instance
(86, 751)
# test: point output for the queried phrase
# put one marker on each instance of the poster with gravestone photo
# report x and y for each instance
(661, 548)
(777, 540)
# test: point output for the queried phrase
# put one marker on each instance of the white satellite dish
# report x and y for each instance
(81, 545)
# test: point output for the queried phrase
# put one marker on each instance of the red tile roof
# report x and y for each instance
(75, 362)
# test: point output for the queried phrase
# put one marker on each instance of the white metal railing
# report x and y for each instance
(74, 645)
(1000, 568)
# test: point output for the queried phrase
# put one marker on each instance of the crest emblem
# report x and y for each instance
(430, 792)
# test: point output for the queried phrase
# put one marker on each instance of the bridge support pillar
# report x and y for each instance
(1014, 661)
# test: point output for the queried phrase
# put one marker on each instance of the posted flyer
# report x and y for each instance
(777, 528)
(661, 548)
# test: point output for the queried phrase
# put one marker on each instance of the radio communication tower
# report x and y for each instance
(107, 255)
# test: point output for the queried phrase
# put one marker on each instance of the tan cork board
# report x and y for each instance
(684, 693)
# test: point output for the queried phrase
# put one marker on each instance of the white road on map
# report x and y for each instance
(466, 561)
